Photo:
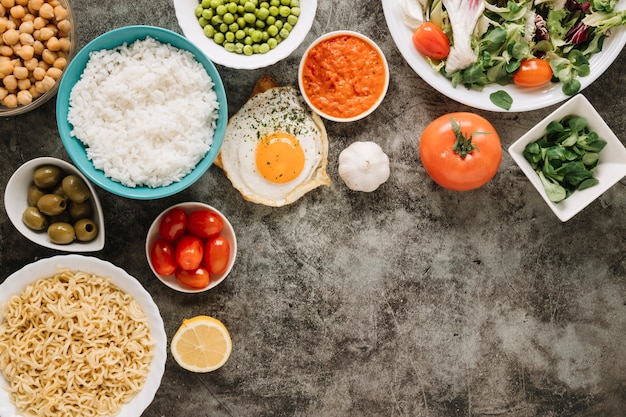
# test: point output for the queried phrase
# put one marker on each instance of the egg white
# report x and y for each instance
(277, 109)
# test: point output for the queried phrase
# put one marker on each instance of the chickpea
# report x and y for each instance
(17, 12)
(27, 27)
(44, 85)
(35, 5)
(28, 17)
(22, 2)
(64, 26)
(31, 64)
(27, 52)
(44, 34)
(3, 22)
(11, 37)
(54, 73)
(38, 46)
(3, 93)
(60, 13)
(24, 97)
(39, 22)
(23, 84)
(53, 44)
(10, 100)
(60, 63)
(49, 56)
(10, 82)
(20, 73)
(46, 11)
(26, 38)
(6, 67)
(6, 50)
(7, 3)
(39, 73)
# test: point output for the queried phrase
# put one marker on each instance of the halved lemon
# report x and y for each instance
(201, 344)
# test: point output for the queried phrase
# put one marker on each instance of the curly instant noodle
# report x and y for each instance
(74, 345)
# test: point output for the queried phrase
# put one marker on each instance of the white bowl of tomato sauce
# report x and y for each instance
(343, 76)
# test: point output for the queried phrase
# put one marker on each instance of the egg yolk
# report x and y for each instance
(279, 157)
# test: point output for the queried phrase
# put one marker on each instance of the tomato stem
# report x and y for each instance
(463, 144)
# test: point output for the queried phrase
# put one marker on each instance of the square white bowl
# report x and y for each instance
(611, 167)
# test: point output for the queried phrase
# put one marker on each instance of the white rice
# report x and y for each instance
(146, 112)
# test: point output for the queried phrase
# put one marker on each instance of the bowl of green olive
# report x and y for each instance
(52, 203)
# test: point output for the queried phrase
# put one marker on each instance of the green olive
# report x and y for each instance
(62, 217)
(79, 210)
(86, 230)
(34, 219)
(47, 176)
(34, 194)
(61, 233)
(58, 190)
(51, 204)
(75, 188)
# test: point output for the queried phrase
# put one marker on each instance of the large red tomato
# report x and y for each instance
(460, 151)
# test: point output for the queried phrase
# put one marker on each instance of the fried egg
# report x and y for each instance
(275, 148)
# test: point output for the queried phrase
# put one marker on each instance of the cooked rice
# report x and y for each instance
(146, 112)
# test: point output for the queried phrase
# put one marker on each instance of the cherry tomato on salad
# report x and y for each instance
(217, 255)
(196, 278)
(173, 224)
(533, 72)
(460, 151)
(431, 41)
(162, 257)
(189, 252)
(205, 224)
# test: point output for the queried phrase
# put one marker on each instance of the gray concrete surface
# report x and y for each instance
(409, 301)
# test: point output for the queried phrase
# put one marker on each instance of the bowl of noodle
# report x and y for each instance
(88, 318)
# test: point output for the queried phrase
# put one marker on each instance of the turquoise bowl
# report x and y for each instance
(76, 149)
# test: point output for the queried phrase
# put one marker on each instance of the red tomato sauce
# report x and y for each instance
(343, 76)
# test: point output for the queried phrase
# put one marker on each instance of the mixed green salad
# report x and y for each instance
(503, 34)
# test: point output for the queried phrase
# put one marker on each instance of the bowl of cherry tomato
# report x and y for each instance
(191, 247)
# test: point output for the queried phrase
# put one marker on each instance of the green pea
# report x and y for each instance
(285, 2)
(216, 20)
(270, 20)
(284, 11)
(288, 27)
(247, 40)
(230, 36)
(223, 28)
(274, 3)
(203, 22)
(295, 3)
(218, 38)
(249, 7)
(255, 48)
(248, 50)
(256, 36)
(207, 14)
(240, 34)
(272, 30)
(199, 10)
(263, 48)
(228, 18)
(241, 22)
(272, 43)
(264, 5)
(205, 4)
(239, 47)
(279, 24)
(295, 11)
(283, 33)
(221, 10)
(262, 13)
(273, 11)
(215, 3)
(209, 31)
(233, 27)
(232, 7)
(292, 20)
(259, 24)
(250, 18)
(229, 46)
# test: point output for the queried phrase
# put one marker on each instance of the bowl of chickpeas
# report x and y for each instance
(246, 34)
(37, 42)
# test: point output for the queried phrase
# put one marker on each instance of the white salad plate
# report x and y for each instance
(47, 267)
(524, 99)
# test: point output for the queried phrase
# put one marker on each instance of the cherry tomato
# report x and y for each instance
(173, 224)
(162, 257)
(533, 73)
(431, 41)
(462, 161)
(217, 255)
(196, 278)
(205, 224)
(189, 252)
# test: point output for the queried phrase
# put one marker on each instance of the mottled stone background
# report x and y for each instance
(409, 301)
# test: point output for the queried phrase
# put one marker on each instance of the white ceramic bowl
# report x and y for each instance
(16, 201)
(228, 232)
(329, 63)
(612, 159)
(47, 267)
(188, 22)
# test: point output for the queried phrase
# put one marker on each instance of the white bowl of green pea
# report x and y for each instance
(246, 34)
(571, 157)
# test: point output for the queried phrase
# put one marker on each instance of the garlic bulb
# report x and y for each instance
(363, 166)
